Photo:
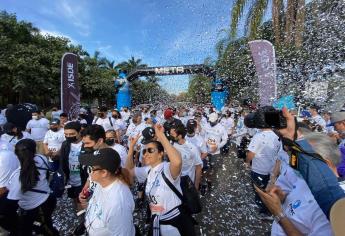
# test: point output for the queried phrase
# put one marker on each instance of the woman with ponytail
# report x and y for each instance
(29, 185)
(110, 208)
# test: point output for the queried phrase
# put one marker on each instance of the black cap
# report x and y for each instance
(148, 134)
(106, 158)
(191, 124)
(55, 122)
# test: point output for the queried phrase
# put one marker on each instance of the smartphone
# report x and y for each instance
(258, 183)
(275, 119)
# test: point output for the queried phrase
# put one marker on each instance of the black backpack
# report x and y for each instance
(190, 197)
(55, 179)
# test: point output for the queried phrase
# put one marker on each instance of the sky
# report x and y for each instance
(160, 32)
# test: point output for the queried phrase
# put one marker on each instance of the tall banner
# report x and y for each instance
(264, 59)
(70, 95)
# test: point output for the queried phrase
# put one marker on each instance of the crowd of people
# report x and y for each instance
(297, 171)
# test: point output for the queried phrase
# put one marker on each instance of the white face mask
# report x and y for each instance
(35, 117)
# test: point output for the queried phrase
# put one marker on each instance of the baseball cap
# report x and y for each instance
(191, 123)
(106, 158)
(148, 134)
(337, 116)
(213, 117)
(55, 122)
(168, 113)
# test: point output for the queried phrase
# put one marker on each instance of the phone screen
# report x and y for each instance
(258, 183)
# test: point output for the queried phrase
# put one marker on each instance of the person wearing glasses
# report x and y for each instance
(110, 208)
(167, 214)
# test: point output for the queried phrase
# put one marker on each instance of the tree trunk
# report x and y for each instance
(300, 20)
(290, 21)
(276, 5)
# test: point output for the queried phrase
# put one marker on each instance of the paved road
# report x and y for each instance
(229, 209)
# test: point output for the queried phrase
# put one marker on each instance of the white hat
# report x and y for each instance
(213, 117)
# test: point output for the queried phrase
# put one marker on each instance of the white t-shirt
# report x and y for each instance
(214, 134)
(8, 164)
(228, 123)
(38, 128)
(54, 139)
(30, 200)
(161, 198)
(300, 206)
(198, 142)
(122, 151)
(190, 158)
(319, 120)
(125, 115)
(105, 122)
(110, 211)
(265, 145)
(134, 130)
(14, 140)
(74, 165)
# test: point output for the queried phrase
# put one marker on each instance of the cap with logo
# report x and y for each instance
(105, 158)
(55, 122)
(148, 134)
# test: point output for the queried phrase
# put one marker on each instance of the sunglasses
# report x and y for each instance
(90, 169)
(149, 150)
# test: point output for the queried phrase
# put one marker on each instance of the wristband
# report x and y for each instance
(279, 217)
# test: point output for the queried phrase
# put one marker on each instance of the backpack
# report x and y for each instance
(190, 197)
(55, 179)
(111, 123)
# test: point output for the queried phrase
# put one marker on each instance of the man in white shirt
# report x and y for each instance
(108, 123)
(295, 209)
(316, 117)
(38, 127)
(191, 158)
(53, 139)
(8, 208)
(261, 156)
(136, 127)
(125, 113)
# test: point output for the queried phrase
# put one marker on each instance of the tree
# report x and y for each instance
(199, 89)
(131, 65)
(292, 20)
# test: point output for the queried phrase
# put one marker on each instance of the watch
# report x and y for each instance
(279, 217)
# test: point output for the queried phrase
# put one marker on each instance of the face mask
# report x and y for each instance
(35, 117)
(110, 142)
(54, 129)
(71, 139)
(86, 150)
(115, 117)
(101, 115)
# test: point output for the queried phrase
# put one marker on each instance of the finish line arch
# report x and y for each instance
(219, 93)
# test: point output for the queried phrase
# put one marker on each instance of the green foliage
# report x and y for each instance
(199, 89)
(30, 67)
(147, 92)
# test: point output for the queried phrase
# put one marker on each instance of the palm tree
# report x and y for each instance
(294, 19)
(131, 65)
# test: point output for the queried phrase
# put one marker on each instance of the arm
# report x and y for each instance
(173, 155)
(198, 170)
(250, 157)
(46, 150)
(273, 203)
(130, 162)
